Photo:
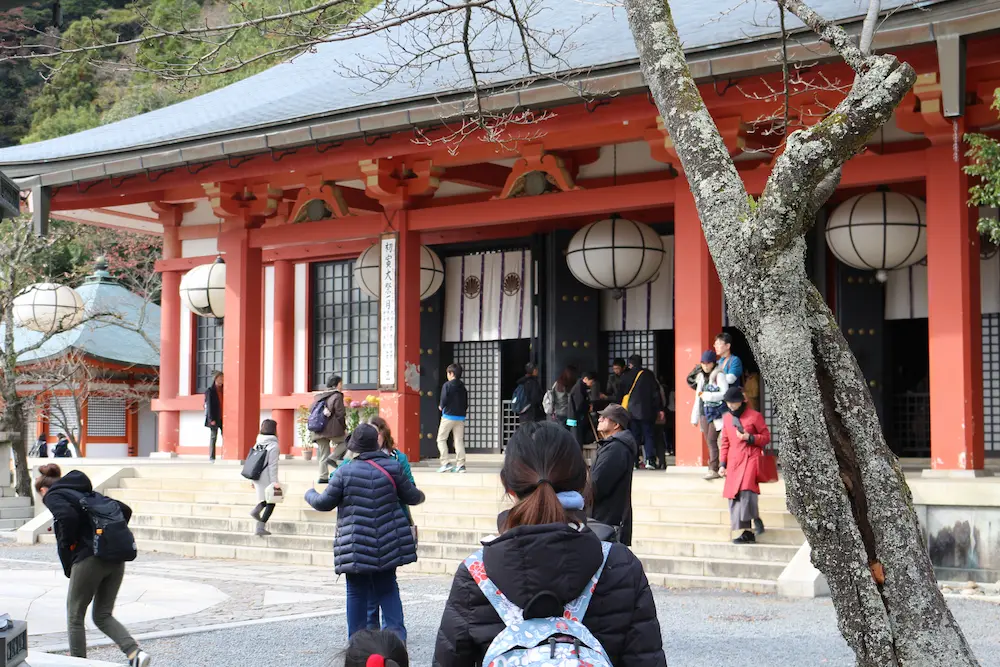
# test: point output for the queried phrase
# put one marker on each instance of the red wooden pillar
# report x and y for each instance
(697, 319)
(169, 421)
(284, 350)
(401, 409)
(954, 315)
(242, 343)
(132, 427)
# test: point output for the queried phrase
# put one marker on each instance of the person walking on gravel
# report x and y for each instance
(373, 534)
(95, 573)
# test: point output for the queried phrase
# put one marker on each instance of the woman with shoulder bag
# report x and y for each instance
(388, 445)
(373, 534)
(267, 485)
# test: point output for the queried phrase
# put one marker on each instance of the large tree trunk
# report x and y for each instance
(843, 483)
(12, 421)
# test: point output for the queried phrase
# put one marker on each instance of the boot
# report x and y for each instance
(758, 526)
(255, 512)
(261, 529)
(746, 538)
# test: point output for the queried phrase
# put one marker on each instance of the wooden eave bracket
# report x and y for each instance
(661, 146)
(234, 200)
(922, 111)
(559, 171)
(393, 183)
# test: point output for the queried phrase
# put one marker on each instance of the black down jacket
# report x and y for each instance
(373, 534)
(559, 558)
(74, 532)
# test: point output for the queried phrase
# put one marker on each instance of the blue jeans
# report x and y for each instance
(642, 429)
(378, 590)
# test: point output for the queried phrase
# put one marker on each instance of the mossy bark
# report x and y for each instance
(843, 483)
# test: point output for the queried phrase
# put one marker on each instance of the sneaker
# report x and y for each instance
(447, 467)
(712, 474)
(141, 659)
(459, 469)
(649, 466)
(758, 526)
(746, 538)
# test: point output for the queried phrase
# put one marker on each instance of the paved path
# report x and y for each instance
(212, 613)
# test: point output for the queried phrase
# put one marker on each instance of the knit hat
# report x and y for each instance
(734, 395)
(708, 357)
(364, 439)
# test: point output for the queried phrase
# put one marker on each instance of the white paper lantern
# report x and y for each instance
(48, 308)
(203, 289)
(615, 254)
(366, 272)
(879, 231)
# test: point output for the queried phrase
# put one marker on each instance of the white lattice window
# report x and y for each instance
(62, 415)
(106, 417)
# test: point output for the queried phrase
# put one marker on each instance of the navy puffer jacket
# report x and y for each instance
(373, 534)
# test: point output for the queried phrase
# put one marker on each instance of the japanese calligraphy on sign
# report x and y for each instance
(387, 313)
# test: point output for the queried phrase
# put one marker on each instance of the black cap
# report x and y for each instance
(364, 439)
(734, 395)
(617, 414)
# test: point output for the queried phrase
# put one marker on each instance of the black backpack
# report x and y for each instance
(253, 467)
(113, 541)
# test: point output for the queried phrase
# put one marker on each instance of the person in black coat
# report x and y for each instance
(533, 395)
(611, 474)
(91, 579)
(543, 548)
(213, 412)
(580, 405)
(644, 405)
(373, 533)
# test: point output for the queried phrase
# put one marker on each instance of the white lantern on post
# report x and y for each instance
(879, 231)
(615, 254)
(48, 308)
(366, 270)
(203, 289)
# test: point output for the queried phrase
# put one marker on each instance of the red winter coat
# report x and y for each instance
(742, 459)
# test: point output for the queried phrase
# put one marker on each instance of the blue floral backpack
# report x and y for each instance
(541, 642)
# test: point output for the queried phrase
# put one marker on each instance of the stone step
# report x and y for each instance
(427, 564)
(725, 583)
(655, 482)
(13, 501)
(702, 567)
(12, 524)
(774, 553)
(25, 513)
(711, 533)
(684, 499)
(717, 514)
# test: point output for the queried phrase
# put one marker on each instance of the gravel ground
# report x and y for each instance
(700, 629)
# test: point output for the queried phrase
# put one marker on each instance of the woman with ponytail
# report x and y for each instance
(545, 557)
(376, 648)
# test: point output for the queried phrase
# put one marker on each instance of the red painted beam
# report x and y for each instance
(487, 175)
(318, 251)
(546, 207)
(323, 231)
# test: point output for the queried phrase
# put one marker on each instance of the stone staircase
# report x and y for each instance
(14, 511)
(681, 530)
